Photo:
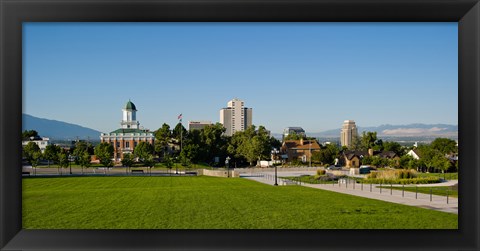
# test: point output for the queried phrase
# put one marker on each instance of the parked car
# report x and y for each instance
(332, 167)
(365, 169)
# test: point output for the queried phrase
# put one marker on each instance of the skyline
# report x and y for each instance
(290, 74)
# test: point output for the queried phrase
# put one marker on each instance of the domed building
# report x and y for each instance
(127, 137)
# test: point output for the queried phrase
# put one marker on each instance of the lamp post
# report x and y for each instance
(176, 165)
(70, 163)
(310, 153)
(226, 165)
(274, 153)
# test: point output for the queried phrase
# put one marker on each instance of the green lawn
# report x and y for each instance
(310, 179)
(436, 190)
(448, 176)
(208, 203)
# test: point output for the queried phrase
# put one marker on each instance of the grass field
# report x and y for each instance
(448, 176)
(436, 190)
(208, 203)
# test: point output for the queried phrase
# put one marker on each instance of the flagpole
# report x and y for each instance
(181, 136)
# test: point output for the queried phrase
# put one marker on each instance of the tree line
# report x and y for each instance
(210, 146)
(434, 157)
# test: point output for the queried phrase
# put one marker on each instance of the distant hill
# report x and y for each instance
(58, 130)
(440, 130)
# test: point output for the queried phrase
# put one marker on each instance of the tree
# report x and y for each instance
(63, 159)
(404, 161)
(36, 156)
(368, 140)
(294, 136)
(149, 162)
(440, 162)
(127, 161)
(142, 150)
(326, 155)
(168, 162)
(356, 143)
(254, 145)
(162, 137)
(29, 150)
(214, 143)
(379, 162)
(429, 156)
(79, 149)
(104, 152)
(82, 154)
(189, 153)
(85, 160)
(394, 147)
(179, 131)
(414, 164)
(367, 160)
(444, 145)
(51, 153)
(28, 134)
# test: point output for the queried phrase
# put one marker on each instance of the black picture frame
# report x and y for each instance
(14, 12)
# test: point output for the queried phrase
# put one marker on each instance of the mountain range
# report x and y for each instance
(410, 130)
(58, 130)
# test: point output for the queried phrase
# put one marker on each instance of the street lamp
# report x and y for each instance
(176, 165)
(274, 153)
(70, 163)
(226, 165)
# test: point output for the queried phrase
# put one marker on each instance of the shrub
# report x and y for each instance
(372, 175)
(428, 180)
(398, 177)
(393, 174)
(338, 173)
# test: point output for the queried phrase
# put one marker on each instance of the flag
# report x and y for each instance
(180, 116)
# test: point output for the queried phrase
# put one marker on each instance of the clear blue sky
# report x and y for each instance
(313, 75)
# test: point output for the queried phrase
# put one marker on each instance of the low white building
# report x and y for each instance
(41, 142)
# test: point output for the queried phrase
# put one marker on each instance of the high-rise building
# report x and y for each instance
(125, 139)
(198, 125)
(297, 130)
(235, 117)
(348, 133)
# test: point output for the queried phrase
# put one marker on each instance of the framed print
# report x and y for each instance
(205, 125)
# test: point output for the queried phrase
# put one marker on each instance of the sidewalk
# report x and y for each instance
(435, 202)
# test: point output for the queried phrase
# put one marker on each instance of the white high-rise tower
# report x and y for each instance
(235, 117)
(348, 133)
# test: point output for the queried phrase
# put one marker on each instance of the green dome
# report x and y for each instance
(130, 106)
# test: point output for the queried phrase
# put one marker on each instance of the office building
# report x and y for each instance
(198, 125)
(348, 133)
(235, 117)
(297, 130)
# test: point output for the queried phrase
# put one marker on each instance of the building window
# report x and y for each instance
(118, 144)
(127, 144)
(135, 144)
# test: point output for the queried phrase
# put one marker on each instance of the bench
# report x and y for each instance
(137, 171)
(25, 173)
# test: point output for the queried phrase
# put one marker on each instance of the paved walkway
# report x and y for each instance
(435, 202)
